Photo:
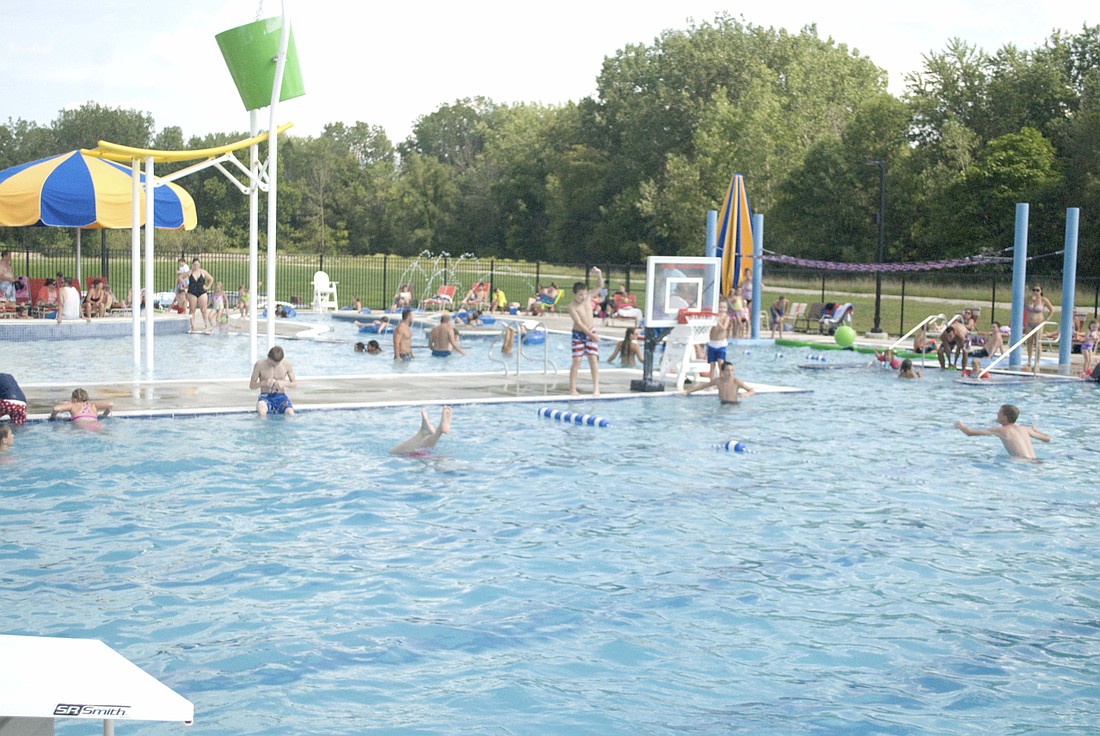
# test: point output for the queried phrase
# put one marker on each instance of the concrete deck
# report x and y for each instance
(222, 396)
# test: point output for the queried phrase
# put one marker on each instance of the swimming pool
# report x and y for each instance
(221, 356)
(867, 569)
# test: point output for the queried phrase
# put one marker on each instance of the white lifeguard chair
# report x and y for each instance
(679, 358)
(324, 292)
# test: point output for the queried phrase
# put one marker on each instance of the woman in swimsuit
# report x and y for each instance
(1036, 308)
(628, 350)
(198, 284)
(96, 301)
(82, 411)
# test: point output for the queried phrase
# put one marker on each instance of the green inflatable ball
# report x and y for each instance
(845, 336)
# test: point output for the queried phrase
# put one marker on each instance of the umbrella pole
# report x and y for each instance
(79, 260)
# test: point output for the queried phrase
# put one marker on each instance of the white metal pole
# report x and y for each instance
(273, 175)
(149, 290)
(253, 235)
(135, 258)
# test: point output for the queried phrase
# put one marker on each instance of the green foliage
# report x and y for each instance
(632, 170)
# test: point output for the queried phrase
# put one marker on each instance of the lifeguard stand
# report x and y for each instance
(680, 357)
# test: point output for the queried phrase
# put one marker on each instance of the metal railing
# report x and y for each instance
(1016, 345)
(519, 345)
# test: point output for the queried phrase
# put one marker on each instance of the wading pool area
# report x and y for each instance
(863, 568)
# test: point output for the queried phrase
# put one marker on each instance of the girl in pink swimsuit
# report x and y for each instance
(82, 411)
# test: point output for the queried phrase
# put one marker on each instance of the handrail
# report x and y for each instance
(919, 325)
(519, 344)
(1018, 343)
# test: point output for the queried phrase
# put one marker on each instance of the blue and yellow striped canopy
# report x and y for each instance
(735, 245)
(78, 190)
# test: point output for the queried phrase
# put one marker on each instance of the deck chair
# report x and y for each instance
(324, 292)
(809, 316)
(444, 298)
(841, 314)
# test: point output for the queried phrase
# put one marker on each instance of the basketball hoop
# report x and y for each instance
(686, 315)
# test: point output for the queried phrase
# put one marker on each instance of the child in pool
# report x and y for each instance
(83, 412)
(907, 370)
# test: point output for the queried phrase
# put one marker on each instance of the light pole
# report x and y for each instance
(877, 329)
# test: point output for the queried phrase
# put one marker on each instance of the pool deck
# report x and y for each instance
(231, 395)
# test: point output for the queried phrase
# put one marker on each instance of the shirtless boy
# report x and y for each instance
(273, 375)
(585, 340)
(403, 337)
(730, 386)
(1015, 438)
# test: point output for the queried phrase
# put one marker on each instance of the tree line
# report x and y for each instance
(631, 171)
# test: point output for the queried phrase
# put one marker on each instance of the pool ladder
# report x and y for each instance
(518, 347)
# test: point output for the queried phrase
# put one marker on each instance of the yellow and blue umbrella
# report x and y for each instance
(734, 244)
(82, 191)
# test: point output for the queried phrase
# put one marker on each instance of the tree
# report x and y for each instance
(90, 123)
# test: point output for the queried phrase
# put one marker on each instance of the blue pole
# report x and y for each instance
(1069, 284)
(712, 233)
(1019, 281)
(757, 276)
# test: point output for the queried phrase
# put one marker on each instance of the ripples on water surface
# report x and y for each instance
(867, 570)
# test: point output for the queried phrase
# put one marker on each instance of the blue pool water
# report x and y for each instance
(221, 356)
(866, 570)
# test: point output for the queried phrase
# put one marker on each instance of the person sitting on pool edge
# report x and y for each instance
(442, 338)
(1015, 438)
(426, 437)
(273, 375)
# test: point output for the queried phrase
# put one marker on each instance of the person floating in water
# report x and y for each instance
(83, 412)
(1015, 438)
(426, 437)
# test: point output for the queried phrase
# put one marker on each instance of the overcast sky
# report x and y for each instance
(386, 63)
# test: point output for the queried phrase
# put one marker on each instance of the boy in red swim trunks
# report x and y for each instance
(585, 339)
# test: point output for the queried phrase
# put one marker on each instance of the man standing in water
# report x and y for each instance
(585, 340)
(1016, 439)
(273, 375)
(443, 339)
(403, 337)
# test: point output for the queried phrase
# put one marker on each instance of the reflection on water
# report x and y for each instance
(867, 569)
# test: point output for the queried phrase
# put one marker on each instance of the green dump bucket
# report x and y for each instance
(250, 52)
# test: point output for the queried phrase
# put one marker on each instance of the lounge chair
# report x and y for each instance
(444, 298)
(828, 323)
(810, 316)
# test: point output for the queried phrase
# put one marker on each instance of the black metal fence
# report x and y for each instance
(374, 279)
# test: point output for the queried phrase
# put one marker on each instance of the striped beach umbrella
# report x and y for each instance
(734, 243)
(81, 191)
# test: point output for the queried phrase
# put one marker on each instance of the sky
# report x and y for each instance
(387, 63)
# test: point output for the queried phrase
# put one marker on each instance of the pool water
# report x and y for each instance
(866, 569)
(227, 355)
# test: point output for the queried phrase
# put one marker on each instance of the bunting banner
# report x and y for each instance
(885, 267)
